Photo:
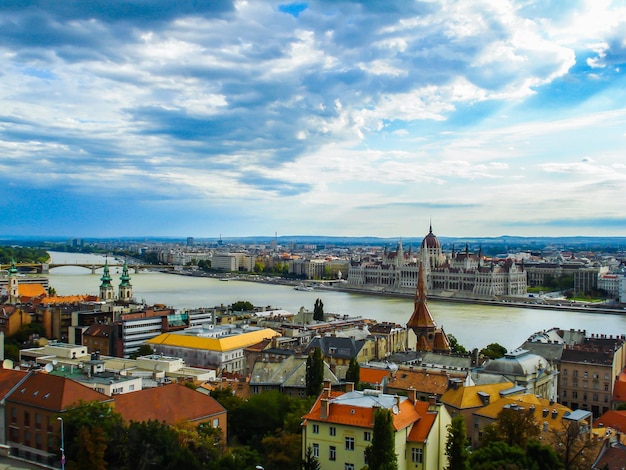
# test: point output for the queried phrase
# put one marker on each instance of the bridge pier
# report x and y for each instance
(93, 269)
(45, 268)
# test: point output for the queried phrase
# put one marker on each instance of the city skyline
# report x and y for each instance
(339, 118)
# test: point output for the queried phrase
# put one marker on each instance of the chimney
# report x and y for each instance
(349, 387)
(325, 408)
(554, 414)
(412, 394)
(545, 412)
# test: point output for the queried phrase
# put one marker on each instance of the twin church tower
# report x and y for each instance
(107, 290)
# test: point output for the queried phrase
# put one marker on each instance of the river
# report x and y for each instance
(473, 325)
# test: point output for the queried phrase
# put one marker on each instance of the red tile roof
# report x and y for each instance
(170, 403)
(615, 419)
(421, 429)
(8, 379)
(51, 392)
(373, 376)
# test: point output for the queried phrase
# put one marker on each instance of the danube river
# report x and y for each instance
(473, 325)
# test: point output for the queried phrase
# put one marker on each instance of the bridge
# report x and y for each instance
(44, 268)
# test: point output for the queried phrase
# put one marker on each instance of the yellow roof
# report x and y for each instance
(31, 290)
(226, 343)
(467, 397)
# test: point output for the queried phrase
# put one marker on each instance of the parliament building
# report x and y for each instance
(455, 274)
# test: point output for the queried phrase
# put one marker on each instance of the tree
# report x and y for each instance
(498, 455)
(310, 462)
(314, 373)
(381, 454)
(282, 452)
(144, 350)
(318, 310)
(574, 445)
(242, 306)
(542, 457)
(456, 347)
(514, 426)
(353, 374)
(456, 445)
(493, 351)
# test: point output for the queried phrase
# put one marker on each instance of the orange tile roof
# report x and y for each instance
(31, 290)
(52, 392)
(425, 382)
(360, 416)
(68, 299)
(421, 429)
(170, 403)
(619, 392)
(615, 419)
(373, 376)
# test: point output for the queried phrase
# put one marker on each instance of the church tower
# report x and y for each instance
(107, 292)
(429, 336)
(126, 288)
(13, 287)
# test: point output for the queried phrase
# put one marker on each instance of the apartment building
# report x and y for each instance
(339, 427)
(589, 370)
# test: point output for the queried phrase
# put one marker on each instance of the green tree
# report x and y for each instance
(381, 454)
(314, 373)
(456, 347)
(283, 451)
(493, 351)
(542, 457)
(310, 462)
(318, 310)
(456, 445)
(242, 306)
(498, 455)
(144, 350)
(353, 374)
(514, 426)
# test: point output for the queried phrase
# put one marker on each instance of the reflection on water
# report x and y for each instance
(473, 325)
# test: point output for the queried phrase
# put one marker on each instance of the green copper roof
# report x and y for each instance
(125, 277)
(106, 277)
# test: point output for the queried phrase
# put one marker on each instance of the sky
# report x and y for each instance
(330, 117)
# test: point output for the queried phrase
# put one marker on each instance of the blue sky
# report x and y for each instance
(347, 118)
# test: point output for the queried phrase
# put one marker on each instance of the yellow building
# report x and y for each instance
(339, 428)
(216, 348)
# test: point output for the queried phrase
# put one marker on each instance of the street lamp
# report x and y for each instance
(62, 445)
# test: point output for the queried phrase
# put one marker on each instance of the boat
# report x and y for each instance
(304, 288)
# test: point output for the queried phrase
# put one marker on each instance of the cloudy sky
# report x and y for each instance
(329, 117)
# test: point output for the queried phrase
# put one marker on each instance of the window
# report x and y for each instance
(349, 443)
(575, 373)
(316, 450)
(565, 382)
(574, 383)
(332, 430)
(564, 393)
(367, 436)
(585, 374)
(216, 423)
(417, 455)
(316, 429)
(348, 466)
(565, 372)
(606, 387)
(595, 397)
(574, 394)
(332, 453)
(584, 384)
(26, 418)
(13, 415)
(37, 421)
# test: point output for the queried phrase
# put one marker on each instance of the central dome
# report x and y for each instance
(430, 240)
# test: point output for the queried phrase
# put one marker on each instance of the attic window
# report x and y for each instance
(352, 411)
(36, 393)
(23, 390)
(46, 395)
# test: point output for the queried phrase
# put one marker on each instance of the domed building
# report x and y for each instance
(460, 273)
(530, 371)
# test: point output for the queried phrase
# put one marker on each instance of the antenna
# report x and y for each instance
(48, 368)
(7, 364)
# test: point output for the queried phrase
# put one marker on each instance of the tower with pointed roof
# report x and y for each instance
(429, 336)
(125, 288)
(14, 293)
(107, 292)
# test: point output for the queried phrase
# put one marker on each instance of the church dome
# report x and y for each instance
(519, 362)
(430, 240)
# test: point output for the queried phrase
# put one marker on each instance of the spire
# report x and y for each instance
(12, 269)
(125, 277)
(106, 277)
(421, 319)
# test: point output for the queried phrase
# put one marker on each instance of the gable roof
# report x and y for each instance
(344, 348)
(615, 419)
(421, 429)
(374, 376)
(53, 393)
(31, 290)
(420, 380)
(468, 397)
(169, 403)
(9, 378)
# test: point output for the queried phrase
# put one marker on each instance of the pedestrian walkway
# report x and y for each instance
(14, 464)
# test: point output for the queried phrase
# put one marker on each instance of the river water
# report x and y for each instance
(473, 325)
